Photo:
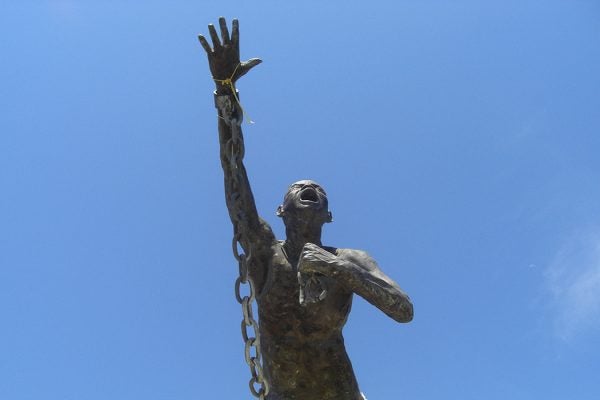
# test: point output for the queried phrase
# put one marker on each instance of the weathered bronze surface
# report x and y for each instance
(303, 288)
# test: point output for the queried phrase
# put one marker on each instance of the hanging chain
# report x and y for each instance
(250, 331)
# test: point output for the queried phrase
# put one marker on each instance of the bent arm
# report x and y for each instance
(359, 273)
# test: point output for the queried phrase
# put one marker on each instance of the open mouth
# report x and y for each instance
(309, 195)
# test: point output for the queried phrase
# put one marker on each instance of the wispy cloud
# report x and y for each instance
(572, 283)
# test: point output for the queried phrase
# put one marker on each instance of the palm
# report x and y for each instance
(224, 55)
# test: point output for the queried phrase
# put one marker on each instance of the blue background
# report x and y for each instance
(458, 142)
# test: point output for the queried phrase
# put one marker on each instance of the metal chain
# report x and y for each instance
(258, 385)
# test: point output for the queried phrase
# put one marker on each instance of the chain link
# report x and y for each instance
(250, 330)
(258, 385)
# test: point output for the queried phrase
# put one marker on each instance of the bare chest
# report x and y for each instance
(282, 315)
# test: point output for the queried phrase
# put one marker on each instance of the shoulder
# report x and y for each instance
(264, 230)
(358, 257)
(277, 246)
(262, 238)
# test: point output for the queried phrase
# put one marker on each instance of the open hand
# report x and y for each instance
(224, 56)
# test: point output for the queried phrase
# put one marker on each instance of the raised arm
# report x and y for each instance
(226, 69)
(359, 273)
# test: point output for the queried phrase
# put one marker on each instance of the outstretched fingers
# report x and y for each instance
(224, 31)
(235, 33)
(204, 44)
(214, 36)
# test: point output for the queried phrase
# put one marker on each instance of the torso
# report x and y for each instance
(303, 351)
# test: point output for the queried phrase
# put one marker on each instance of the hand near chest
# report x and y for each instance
(314, 259)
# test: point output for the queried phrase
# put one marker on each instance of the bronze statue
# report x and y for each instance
(303, 288)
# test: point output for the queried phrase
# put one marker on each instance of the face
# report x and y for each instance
(305, 199)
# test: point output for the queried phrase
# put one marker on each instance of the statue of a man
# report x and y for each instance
(303, 288)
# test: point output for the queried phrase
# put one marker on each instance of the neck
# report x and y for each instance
(296, 238)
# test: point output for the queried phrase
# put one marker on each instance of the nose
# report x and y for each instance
(310, 185)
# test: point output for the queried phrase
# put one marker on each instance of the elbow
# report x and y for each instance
(410, 313)
(404, 312)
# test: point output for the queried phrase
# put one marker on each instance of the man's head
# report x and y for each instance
(305, 202)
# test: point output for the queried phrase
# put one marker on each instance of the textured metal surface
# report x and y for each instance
(303, 289)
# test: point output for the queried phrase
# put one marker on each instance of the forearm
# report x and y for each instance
(380, 291)
(238, 194)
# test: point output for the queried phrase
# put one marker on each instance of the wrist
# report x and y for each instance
(224, 87)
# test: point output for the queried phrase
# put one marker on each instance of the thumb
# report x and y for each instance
(248, 65)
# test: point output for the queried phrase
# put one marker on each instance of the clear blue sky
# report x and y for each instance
(458, 142)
